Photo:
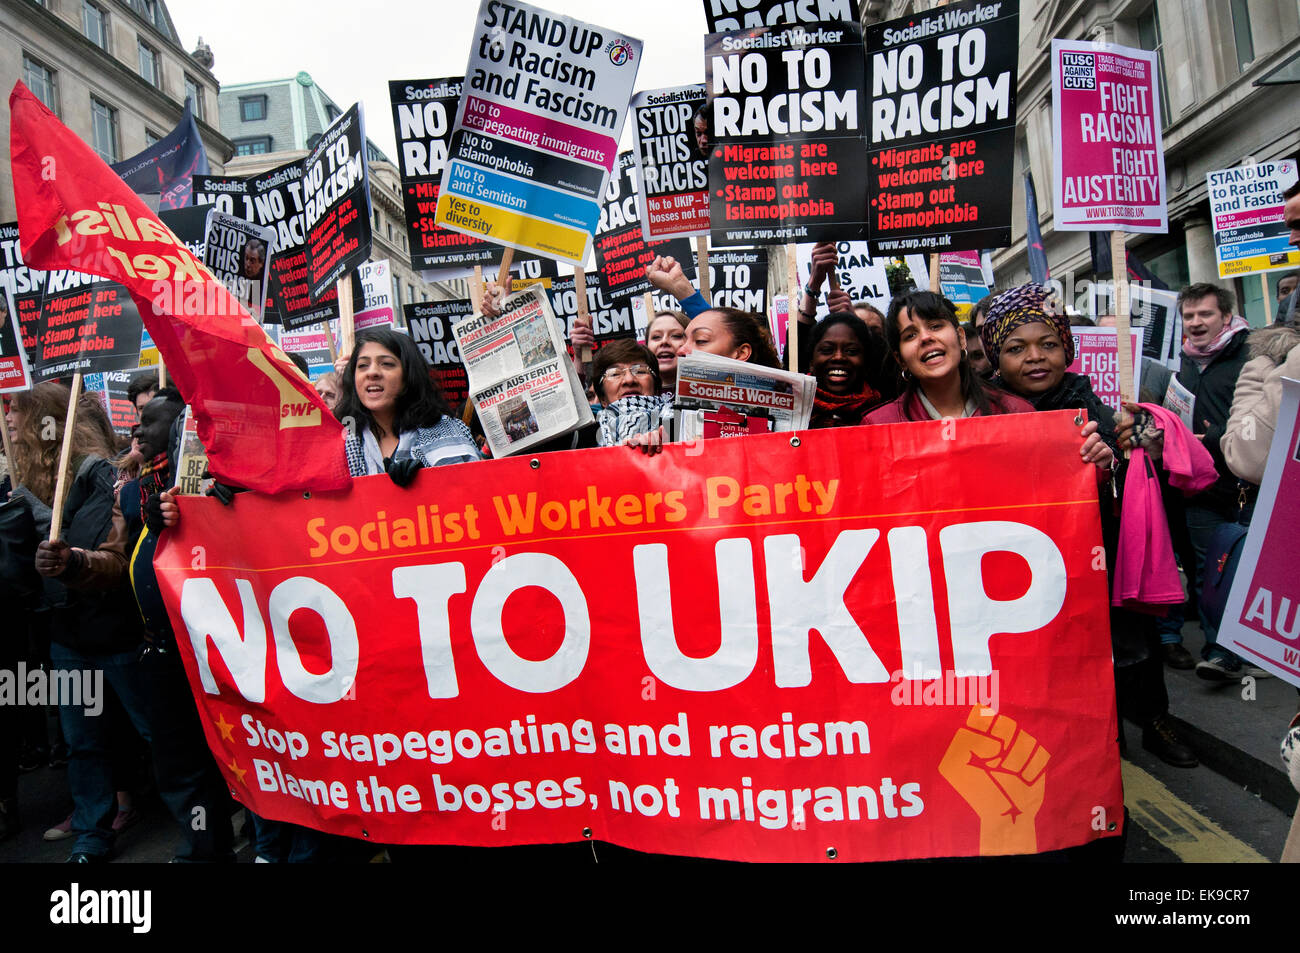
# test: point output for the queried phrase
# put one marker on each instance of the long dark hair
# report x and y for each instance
(930, 306)
(746, 327)
(420, 402)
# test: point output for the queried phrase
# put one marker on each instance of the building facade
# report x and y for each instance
(114, 71)
(1210, 52)
(277, 121)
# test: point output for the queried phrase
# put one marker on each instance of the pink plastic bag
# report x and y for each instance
(1146, 575)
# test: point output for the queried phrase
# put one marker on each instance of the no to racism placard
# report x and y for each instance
(672, 157)
(1261, 622)
(896, 668)
(430, 323)
(1250, 232)
(785, 108)
(737, 279)
(14, 372)
(622, 252)
(423, 113)
(336, 202)
(24, 285)
(537, 132)
(943, 127)
(725, 15)
(1108, 156)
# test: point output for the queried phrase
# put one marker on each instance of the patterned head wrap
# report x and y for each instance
(1021, 306)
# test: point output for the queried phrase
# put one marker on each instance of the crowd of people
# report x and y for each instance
(89, 601)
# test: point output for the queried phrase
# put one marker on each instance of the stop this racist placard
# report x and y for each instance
(537, 132)
(1107, 148)
(672, 152)
(785, 109)
(423, 113)
(622, 252)
(943, 127)
(430, 323)
(761, 660)
(87, 325)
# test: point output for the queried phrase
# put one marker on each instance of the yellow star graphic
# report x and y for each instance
(225, 728)
(238, 772)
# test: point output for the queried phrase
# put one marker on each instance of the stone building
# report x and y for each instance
(1211, 54)
(275, 121)
(114, 72)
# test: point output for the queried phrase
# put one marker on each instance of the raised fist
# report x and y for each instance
(1001, 772)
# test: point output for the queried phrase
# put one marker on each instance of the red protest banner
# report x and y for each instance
(742, 656)
(264, 425)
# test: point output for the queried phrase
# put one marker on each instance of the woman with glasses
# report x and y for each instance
(630, 392)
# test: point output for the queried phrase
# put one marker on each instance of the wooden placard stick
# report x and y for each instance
(649, 300)
(347, 327)
(1263, 277)
(162, 372)
(503, 273)
(329, 342)
(792, 309)
(934, 273)
(584, 315)
(1123, 327)
(702, 266)
(65, 453)
(476, 290)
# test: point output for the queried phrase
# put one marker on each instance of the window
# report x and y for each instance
(40, 80)
(94, 23)
(194, 90)
(150, 70)
(150, 137)
(1150, 38)
(103, 118)
(376, 218)
(256, 146)
(153, 13)
(390, 231)
(252, 108)
(1241, 34)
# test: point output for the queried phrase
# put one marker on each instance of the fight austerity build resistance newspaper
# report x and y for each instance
(523, 385)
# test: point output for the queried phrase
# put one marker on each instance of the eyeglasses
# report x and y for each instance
(616, 373)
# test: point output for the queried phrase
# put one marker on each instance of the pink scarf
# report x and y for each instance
(1203, 356)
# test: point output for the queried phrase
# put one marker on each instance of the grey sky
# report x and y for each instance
(352, 50)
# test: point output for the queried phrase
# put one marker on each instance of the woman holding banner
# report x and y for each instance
(929, 347)
(1031, 346)
(402, 423)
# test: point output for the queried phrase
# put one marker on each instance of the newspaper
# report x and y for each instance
(720, 397)
(192, 467)
(523, 385)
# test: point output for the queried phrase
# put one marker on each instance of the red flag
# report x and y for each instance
(264, 425)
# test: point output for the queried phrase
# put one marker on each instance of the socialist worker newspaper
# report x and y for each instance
(719, 397)
(523, 385)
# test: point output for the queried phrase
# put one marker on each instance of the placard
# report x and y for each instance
(87, 325)
(622, 252)
(336, 202)
(1096, 355)
(430, 324)
(943, 128)
(111, 388)
(14, 373)
(1108, 156)
(672, 149)
(723, 15)
(785, 109)
(239, 254)
(1248, 212)
(537, 133)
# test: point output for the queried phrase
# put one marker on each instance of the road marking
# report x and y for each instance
(1180, 827)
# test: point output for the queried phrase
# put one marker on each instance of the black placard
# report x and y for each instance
(622, 252)
(429, 323)
(786, 111)
(942, 127)
(87, 325)
(725, 15)
(336, 203)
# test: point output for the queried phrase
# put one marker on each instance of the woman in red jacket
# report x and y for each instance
(930, 347)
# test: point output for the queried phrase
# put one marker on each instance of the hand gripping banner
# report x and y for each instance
(787, 648)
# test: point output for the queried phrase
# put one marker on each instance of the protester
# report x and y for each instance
(871, 316)
(630, 392)
(1287, 286)
(329, 386)
(842, 349)
(1213, 356)
(1274, 354)
(141, 390)
(822, 263)
(1031, 346)
(979, 362)
(739, 335)
(402, 421)
(979, 311)
(664, 336)
(929, 348)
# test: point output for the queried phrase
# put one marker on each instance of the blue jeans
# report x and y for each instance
(1201, 524)
(157, 699)
(1170, 627)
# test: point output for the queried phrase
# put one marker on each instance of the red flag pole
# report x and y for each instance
(61, 486)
